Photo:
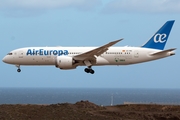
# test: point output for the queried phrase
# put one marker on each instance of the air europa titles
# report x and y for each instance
(46, 52)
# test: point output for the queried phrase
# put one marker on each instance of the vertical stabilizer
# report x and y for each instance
(159, 39)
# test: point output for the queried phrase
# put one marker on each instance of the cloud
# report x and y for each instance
(34, 6)
(48, 4)
(143, 6)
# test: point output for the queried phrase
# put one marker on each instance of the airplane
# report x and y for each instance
(67, 58)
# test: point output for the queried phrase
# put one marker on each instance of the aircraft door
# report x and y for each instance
(20, 54)
(136, 54)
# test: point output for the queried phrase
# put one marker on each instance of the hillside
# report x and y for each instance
(85, 110)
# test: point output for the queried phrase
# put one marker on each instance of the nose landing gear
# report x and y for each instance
(18, 70)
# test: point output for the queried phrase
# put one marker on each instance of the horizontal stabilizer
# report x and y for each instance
(163, 51)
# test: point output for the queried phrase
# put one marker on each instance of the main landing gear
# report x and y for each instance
(89, 70)
(18, 70)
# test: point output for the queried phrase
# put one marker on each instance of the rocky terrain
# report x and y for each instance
(85, 110)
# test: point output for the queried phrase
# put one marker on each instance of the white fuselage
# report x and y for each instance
(113, 56)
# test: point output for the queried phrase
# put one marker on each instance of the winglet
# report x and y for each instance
(116, 41)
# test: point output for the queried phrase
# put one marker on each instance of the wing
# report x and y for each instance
(95, 52)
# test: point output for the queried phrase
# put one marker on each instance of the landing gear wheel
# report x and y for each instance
(91, 71)
(87, 70)
(18, 70)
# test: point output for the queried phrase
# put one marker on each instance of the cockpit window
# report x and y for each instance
(9, 54)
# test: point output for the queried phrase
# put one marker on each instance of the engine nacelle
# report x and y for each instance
(65, 62)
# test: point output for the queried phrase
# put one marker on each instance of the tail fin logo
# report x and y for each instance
(160, 38)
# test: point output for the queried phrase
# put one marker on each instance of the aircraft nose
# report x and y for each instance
(5, 59)
(8, 59)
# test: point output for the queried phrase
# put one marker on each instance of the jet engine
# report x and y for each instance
(65, 62)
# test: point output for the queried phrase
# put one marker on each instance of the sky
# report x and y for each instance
(25, 23)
